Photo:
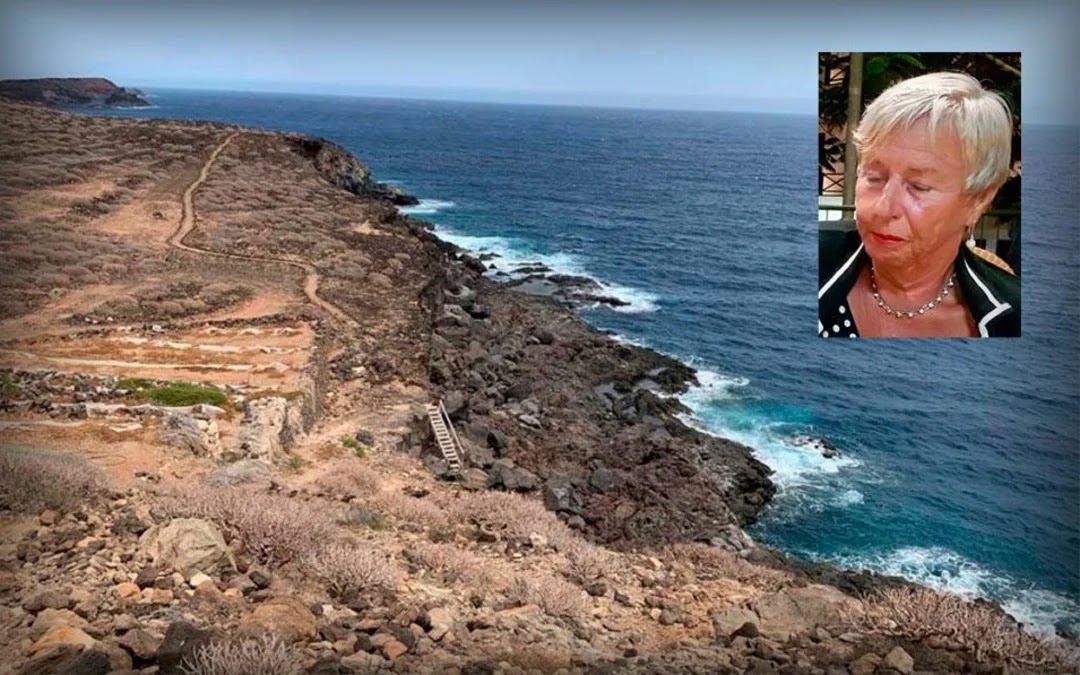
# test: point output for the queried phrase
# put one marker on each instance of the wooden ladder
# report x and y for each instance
(445, 436)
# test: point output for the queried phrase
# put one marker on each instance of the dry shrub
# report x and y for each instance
(919, 613)
(273, 529)
(350, 479)
(349, 569)
(263, 656)
(552, 595)
(586, 562)
(712, 563)
(514, 516)
(452, 563)
(418, 511)
(33, 480)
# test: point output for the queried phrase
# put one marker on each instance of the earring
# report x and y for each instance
(971, 237)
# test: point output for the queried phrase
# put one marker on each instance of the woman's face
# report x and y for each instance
(912, 209)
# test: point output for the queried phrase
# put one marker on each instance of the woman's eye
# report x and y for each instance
(872, 178)
(919, 187)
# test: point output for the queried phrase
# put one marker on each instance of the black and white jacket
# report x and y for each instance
(991, 292)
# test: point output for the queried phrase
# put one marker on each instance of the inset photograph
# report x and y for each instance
(919, 194)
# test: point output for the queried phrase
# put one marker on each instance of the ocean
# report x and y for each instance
(960, 459)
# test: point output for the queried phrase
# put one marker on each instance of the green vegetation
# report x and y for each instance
(290, 395)
(134, 383)
(358, 448)
(175, 393)
(8, 388)
(296, 463)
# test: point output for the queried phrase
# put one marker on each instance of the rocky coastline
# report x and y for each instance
(304, 512)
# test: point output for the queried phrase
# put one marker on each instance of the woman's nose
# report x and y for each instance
(887, 200)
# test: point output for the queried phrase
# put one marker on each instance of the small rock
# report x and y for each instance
(899, 660)
(748, 630)
(119, 659)
(146, 577)
(602, 479)
(140, 643)
(260, 578)
(63, 635)
(47, 599)
(125, 590)
(157, 596)
(198, 579)
(286, 617)
(124, 622)
(393, 649)
(438, 622)
(67, 660)
(473, 479)
(362, 662)
(596, 589)
(865, 664)
(48, 517)
(762, 667)
(50, 618)
(181, 641)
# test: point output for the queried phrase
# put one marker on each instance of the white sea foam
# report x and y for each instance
(848, 498)
(514, 257)
(426, 207)
(948, 571)
(716, 411)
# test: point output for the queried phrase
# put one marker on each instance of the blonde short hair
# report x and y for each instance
(952, 101)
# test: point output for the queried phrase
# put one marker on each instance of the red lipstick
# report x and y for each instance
(886, 238)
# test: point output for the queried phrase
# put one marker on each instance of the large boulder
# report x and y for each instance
(269, 427)
(730, 619)
(561, 496)
(187, 545)
(504, 473)
(795, 610)
(200, 436)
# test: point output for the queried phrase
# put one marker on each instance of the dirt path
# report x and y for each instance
(187, 224)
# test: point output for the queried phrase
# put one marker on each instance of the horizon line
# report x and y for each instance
(485, 97)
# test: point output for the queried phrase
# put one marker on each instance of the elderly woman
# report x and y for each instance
(933, 151)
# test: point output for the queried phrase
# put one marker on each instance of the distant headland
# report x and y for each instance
(62, 91)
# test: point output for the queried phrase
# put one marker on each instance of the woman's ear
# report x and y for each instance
(980, 202)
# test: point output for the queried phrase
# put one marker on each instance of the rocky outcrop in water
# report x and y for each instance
(341, 168)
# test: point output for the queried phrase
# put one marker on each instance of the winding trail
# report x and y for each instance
(187, 224)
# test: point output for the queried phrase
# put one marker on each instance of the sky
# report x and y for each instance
(630, 53)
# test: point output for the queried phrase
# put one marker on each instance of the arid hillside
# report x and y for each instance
(216, 349)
